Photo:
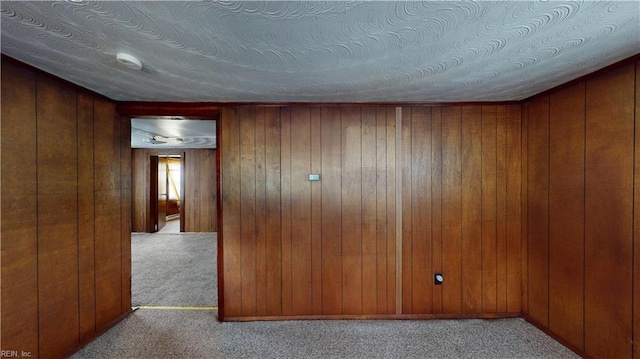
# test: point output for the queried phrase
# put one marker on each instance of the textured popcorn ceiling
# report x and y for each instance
(320, 51)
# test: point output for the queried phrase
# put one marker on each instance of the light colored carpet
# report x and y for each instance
(174, 269)
(197, 334)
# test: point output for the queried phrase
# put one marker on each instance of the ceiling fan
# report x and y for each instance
(159, 139)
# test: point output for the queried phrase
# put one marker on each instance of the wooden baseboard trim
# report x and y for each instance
(376, 317)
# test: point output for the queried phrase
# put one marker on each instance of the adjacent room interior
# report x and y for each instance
(471, 162)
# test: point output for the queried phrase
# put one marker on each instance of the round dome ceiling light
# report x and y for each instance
(129, 61)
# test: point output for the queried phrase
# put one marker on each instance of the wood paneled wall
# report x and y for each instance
(404, 193)
(199, 205)
(65, 225)
(580, 211)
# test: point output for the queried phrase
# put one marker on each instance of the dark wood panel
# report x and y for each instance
(351, 187)
(636, 235)
(261, 215)
(382, 226)
(451, 209)
(19, 203)
(57, 218)
(608, 214)
(273, 212)
(501, 113)
(524, 190)
(393, 159)
(406, 200)
(230, 187)
(86, 219)
(538, 210)
(436, 206)
(108, 240)
(125, 212)
(316, 211)
(566, 213)
(472, 210)
(286, 200)
(369, 213)
(331, 137)
(421, 202)
(248, 210)
(514, 211)
(488, 204)
(301, 255)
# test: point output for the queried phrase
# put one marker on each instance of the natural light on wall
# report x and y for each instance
(173, 177)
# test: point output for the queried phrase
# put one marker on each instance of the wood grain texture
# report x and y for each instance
(382, 226)
(108, 245)
(420, 201)
(331, 246)
(301, 253)
(86, 218)
(608, 214)
(636, 227)
(566, 213)
(538, 211)
(524, 190)
(472, 211)
(64, 276)
(230, 188)
(351, 186)
(273, 212)
(451, 209)
(405, 193)
(369, 211)
(261, 215)
(125, 212)
(286, 209)
(636, 234)
(502, 128)
(436, 205)
(489, 207)
(57, 176)
(19, 201)
(514, 214)
(331, 137)
(316, 212)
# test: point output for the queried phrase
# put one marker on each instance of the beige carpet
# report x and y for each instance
(197, 334)
(174, 269)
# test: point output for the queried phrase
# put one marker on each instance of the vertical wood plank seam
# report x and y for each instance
(37, 82)
(342, 138)
(255, 203)
(495, 223)
(398, 228)
(548, 209)
(482, 269)
(633, 222)
(361, 220)
(78, 211)
(584, 223)
(93, 175)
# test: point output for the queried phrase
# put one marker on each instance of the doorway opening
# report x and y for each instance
(166, 193)
(174, 212)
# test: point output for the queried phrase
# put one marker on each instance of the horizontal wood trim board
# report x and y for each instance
(378, 317)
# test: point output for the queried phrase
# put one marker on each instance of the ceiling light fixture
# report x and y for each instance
(129, 61)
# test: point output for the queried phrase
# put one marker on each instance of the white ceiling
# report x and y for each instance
(172, 132)
(321, 51)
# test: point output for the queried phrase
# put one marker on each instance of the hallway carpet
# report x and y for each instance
(179, 270)
(197, 334)
(174, 269)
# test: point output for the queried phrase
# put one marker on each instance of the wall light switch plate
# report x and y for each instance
(314, 177)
